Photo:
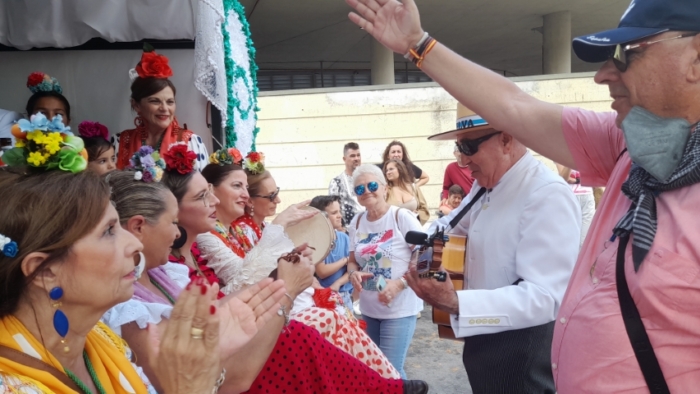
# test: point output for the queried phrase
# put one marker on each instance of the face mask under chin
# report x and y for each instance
(654, 143)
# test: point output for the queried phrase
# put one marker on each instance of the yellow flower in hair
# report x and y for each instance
(37, 136)
(213, 159)
(20, 144)
(36, 159)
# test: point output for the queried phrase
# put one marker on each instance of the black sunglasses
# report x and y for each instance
(270, 196)
(470, 147)
(619, 53)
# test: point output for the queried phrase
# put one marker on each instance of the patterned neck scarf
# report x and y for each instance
(105, 350)
(643, 189)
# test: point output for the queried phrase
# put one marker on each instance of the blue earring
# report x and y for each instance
(60, 321)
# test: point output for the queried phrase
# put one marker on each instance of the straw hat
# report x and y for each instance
(467, 121)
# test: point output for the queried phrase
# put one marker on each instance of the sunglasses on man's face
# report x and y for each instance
(371, 186)
(619, 55)
(470, 147)
(272, 196)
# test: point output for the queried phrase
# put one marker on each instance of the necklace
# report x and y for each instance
(162, 290)
(144, 137)
(93, 375)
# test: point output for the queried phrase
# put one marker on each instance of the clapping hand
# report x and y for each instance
(244, 313)
(185, 355)
(394, 24)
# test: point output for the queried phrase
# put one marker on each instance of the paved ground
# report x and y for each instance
(437, 361)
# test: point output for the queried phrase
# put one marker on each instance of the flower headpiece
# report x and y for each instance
(8, 247)
(226, 156)
(40, 82)
(48, 145)
(254, 163)
(148, 164)
(179, 158)
(152, 65)
(89, 129)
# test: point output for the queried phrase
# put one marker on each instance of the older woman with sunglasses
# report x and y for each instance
(379, 258)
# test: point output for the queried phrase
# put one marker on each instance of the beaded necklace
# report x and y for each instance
(93, 375)
(162, 290)
(144, 137)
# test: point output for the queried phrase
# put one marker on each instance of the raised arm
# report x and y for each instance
(534, 123)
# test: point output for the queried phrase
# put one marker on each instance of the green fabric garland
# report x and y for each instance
(234, 71)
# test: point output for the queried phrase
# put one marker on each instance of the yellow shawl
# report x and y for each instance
(106, 351)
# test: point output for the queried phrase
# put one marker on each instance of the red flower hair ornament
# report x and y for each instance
(153, 65)
(179, 158)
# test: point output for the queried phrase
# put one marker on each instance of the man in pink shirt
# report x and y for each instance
(651, 172)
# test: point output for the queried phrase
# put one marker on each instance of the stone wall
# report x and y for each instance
(302, 133)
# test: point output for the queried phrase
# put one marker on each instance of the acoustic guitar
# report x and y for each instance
(452, 256)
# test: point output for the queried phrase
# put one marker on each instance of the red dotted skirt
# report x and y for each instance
(304, 362)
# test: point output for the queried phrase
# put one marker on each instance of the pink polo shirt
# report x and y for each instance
(591, 352)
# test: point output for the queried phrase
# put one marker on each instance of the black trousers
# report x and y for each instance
(517, 361)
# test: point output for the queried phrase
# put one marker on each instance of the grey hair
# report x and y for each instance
(131, 197)
(369, 169)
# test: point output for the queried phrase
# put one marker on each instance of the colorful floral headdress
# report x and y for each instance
(226, 156)
(40, 82)
(254, 163)
(179, 158)
(89, 129)
(48, 145)
(148, 164)
(152, 65)
(8, 247)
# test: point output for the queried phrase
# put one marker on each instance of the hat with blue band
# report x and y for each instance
(643, 18)
(467, 122)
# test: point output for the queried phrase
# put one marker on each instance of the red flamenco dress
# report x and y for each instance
(302, 361)
(321, 310)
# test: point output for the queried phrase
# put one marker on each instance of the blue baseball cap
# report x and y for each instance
(643, 18)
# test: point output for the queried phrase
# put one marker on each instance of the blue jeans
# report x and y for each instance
(393, 336)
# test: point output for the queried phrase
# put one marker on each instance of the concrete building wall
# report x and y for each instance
(302, 133)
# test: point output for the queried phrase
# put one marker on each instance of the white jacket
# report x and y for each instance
(527, 227)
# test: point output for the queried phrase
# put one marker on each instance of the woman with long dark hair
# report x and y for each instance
(396, 150)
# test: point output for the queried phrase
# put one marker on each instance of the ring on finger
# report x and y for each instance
(196, 333)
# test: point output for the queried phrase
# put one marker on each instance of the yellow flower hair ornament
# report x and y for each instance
(46, 145)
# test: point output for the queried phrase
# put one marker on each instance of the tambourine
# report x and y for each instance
(317, 232)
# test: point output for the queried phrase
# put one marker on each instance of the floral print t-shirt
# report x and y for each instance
(380, 249)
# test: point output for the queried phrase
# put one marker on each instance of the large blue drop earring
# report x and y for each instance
(60, 321)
